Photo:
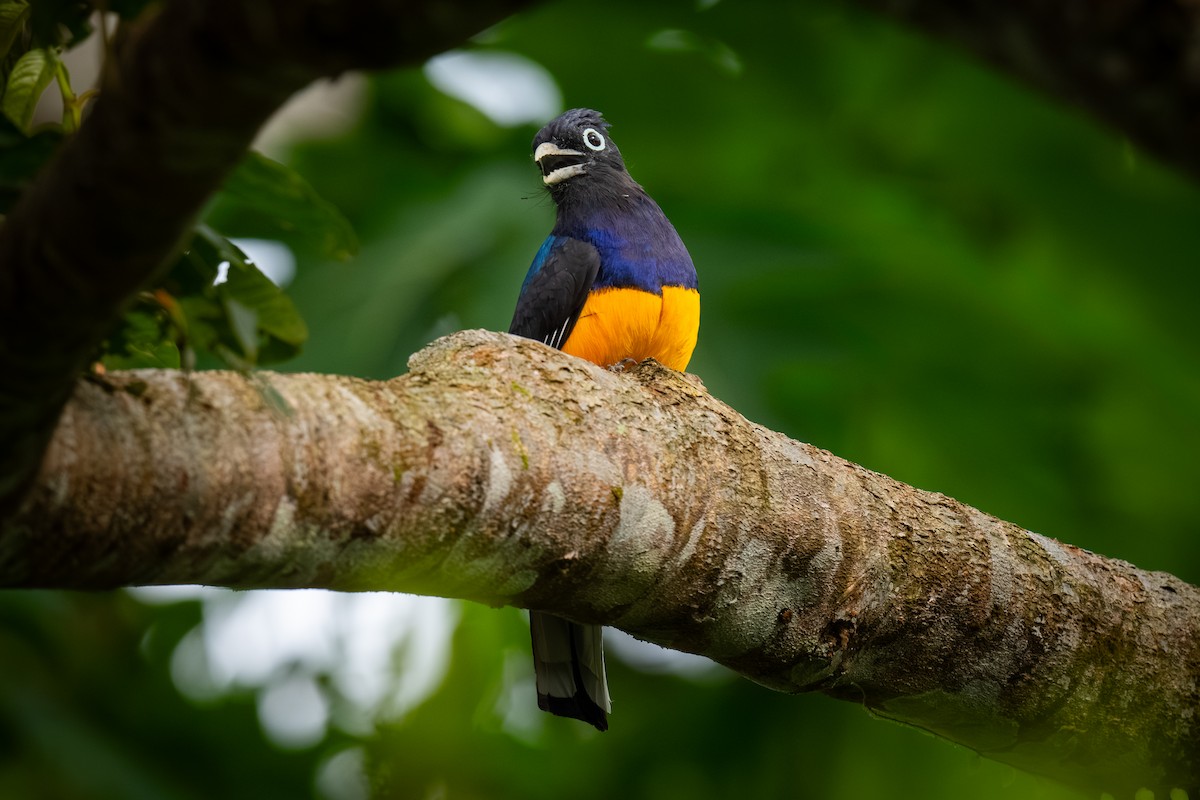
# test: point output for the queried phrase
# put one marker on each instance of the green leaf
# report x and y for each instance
(13, 14)
(268, 200)
(202, 317)
(276, 315)
(29, 78)
(141, 341)
(194, 272)
(72, 112)
(256, 321)
(244, 323)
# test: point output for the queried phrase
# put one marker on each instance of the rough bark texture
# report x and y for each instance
(185, 93)
(1133, 64)
(506, 472)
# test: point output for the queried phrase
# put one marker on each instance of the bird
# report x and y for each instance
(613, 283)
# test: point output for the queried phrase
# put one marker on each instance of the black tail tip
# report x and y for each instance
(579, 707)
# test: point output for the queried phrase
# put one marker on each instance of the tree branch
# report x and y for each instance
(502, 471)
(186, 91)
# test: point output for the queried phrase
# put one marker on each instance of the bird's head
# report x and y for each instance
(574, 148)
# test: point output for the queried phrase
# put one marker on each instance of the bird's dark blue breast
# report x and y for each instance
(638, 246)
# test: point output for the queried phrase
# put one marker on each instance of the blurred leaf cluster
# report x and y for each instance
(213, 304)
(903, 258)
(33, 36)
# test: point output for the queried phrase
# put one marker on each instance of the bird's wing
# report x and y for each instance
(555, 290)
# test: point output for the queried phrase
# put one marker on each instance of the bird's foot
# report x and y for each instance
(624, 365)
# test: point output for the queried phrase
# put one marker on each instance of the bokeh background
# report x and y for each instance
(904, 258)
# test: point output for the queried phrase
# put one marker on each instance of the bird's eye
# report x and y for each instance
(593, 139)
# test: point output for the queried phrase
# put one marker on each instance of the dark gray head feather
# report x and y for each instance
(584, 131)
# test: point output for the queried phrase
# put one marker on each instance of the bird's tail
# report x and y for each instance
(568, 659)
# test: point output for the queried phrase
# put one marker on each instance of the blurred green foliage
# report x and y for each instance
(904, 259)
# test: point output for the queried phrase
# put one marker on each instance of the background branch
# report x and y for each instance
(502, 471)
(1134, 65)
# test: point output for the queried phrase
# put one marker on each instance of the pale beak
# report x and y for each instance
(557, 163)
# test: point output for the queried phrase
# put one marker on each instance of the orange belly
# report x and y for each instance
(617, 324)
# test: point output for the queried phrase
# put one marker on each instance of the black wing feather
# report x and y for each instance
(549, 306)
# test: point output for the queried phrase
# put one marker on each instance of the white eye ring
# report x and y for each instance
(593, 140)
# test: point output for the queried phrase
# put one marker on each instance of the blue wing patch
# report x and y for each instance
(538, 260)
